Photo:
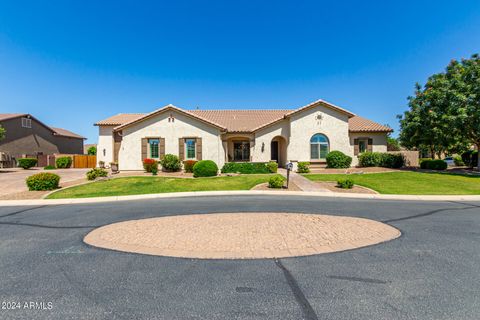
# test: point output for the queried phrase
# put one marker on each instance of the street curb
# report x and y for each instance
(44, 202)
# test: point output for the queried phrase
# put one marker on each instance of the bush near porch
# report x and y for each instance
(245, 167)
(381, 159)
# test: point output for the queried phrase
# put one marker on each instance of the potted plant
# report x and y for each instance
(114, 167)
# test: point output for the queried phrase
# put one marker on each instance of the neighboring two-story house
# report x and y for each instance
(26, 135)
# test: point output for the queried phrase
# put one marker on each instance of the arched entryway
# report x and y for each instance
(278, 150)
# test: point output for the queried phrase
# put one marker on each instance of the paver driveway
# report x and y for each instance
(431, 272)
(13, 180)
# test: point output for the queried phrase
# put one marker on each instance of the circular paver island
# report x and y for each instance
(241, 235)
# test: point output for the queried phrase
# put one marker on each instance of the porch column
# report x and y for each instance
(225, 150)
(252, 149)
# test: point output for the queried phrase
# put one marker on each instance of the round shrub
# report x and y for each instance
(303, 167)
(205, 168)
(171, 162)
(96, 172)
(438, 165)
(150, 164)
(369, 159)
(345, 183)
(188, 165)
(276, 182)
(49, 167)
(27, 163)
(43, 181)
(63, 162)
(272, 166)
(337, 159)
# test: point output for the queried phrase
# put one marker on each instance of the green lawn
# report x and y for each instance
(144, 185)
(409, 182)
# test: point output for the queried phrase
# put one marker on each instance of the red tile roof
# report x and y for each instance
(359, 124)
(245, 120)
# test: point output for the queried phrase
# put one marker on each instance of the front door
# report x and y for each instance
(241, 151)
(274, 151)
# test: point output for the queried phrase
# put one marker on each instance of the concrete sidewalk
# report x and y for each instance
(303, 183)
(43, 202)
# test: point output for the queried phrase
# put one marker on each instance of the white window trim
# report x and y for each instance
(186, 146)
(26, 123)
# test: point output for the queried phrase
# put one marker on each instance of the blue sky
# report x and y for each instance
(71, 63)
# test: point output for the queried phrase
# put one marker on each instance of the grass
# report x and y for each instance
(419, 183)
(145, 185)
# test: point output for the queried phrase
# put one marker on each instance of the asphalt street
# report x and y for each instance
(431, 272)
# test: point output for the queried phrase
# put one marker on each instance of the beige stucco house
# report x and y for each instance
(304, 134)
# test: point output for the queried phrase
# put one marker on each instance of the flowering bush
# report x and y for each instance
(150, 164)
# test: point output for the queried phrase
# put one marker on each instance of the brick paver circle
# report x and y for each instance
(241, 235)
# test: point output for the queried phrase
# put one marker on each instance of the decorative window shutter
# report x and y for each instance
(181, 149)
(144, 148)
(198, 144)
(356, 149)
(370, 145)
(161, 148)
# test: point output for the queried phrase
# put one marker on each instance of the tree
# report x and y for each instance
(2, 133)
(393, 144)
(464, 99)
(92, 151)
(437, 118)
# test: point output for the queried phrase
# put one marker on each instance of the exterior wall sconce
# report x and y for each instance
(263, 146)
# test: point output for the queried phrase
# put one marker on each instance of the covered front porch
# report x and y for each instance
(244, 148)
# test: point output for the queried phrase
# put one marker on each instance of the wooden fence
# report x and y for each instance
(84, 161)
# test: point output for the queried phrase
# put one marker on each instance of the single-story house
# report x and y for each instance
(26, 135)
(304, 134)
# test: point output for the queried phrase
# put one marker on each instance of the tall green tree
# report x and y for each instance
(438, 116)
(464, 98)
(2, 133)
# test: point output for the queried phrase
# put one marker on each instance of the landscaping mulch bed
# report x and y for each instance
(332, 186)
(264, 186)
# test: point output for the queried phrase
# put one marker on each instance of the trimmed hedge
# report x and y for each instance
(434, 165)
(303, 167)
(245, 167)
(381, 159)
(392, 160)
(276, 182)
(63, 162)
(369, 159)
(337, 159)
(188, 165)
(205, 168)
(27, 163)
(43, 181)
(345, 183)
(49, 167)
(171, 162)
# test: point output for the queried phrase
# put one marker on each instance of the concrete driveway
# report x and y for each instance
(431, 272)
(12, 180)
